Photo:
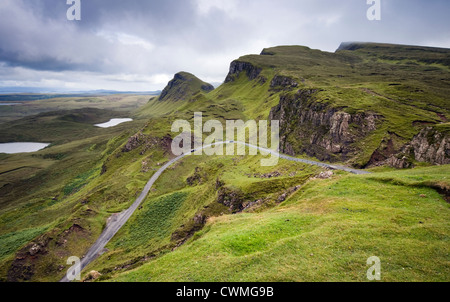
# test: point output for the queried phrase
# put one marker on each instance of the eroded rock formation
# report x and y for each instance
(319, 130)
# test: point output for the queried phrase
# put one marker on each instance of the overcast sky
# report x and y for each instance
(139, 44)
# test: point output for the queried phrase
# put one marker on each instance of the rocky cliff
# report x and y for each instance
(429, 145)
(280, 82)
(329, 133)
(320, 130)
(237, 67)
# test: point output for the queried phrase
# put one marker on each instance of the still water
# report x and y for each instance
(13, 148)
(114, 122)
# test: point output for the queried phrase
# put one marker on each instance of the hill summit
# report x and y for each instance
(183, 87)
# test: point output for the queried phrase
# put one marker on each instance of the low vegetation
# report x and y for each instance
(324, 232)
(226, 218)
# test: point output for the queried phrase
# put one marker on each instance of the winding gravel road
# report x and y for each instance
(117, 221)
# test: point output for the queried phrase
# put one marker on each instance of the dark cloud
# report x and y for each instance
(14, 59)
(136, 40)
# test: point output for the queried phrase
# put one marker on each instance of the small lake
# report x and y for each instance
(9, 104)
(13, 148)
(114, 122)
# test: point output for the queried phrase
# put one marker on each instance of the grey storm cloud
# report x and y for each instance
(135, 41)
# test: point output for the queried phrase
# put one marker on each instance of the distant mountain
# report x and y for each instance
(38, 90)
(12, 90)
(108, 92)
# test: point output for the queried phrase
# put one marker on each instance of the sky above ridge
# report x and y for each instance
(137, 45)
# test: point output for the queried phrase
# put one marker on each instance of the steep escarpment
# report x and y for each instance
(318, 129)
(237, 67)
(183, 87)
(363, 104)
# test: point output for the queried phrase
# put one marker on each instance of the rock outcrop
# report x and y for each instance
(280, 82)
(430, 146)
(317, 129)
(236, 67)
(148, 141)
(24, 265)
(231, 198)
(92, 276)
(134, 142)
(398, 161)
(29, 259)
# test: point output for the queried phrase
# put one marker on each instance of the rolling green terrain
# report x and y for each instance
(325, 232)
(227, 218)
(122, 103)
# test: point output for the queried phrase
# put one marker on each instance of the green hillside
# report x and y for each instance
(183, 87)
(226, 218)
(325, 232)
(384, 98)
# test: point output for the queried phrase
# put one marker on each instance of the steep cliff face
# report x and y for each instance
(236, 67)
(328, 133)
(319, 130)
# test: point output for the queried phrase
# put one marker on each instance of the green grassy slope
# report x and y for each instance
(328, 229)
(183, 87)
(58, 126)
(227, 218)
(123, 103)
(383, 80)
(324, 232)
(166, 218)
(40, 191)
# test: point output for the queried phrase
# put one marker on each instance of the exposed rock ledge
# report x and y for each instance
(429, 146)
(280, 82)
(236, 67)
(317, 129)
